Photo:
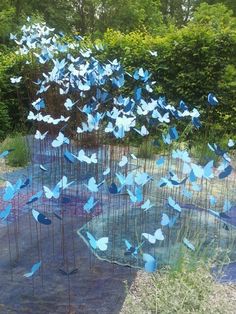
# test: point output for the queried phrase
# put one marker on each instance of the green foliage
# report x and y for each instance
(20, 156)
(4, 121)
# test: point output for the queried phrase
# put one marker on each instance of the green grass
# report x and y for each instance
(188, 288)
(20, 156)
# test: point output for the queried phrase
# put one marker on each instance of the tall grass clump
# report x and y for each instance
(187, 288)
(19, 157)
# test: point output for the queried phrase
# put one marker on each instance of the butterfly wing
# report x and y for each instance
(165, 220)
(34, 268)
(150, 263)
(152, 239)
(159, 235)
(92, 240)
(102, 243)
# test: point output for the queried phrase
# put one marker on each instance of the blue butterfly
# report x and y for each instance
(69, 156)
(213, 101)
(25, 184)
(160, 161)
(6, 153)
(173, 204)
(90, 204)
(100, 244)
(42, 219)
(188, 244)
(38, 104)
(11, 190)
(150, 263)
(130, 249)
(226, 172)
(6, 212)
(34, 268)
(35, 197)
(137, 197)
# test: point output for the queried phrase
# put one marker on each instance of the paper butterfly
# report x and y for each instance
(158, 235)
(42, 219)
(92, 185)
(173, 204)
(100, 244)
(60, 140)
(34, 268)
(150, 263)
(90, 204)
(6, 212)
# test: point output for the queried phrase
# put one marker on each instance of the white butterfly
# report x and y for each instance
(82, 157)
(39, 135)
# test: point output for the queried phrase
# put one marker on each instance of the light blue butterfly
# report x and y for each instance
(34, 269)
(5, 153)
(150, 263)
(212, 200)
(181, 154)
(137, 197)
(38, 104)
(167, 221)
(141, 178)
(106, 171)
(147, 205)
(90, 204)
(128, 180)
(123, 162)
(60, 140)
(100, 244)
(173, 204)
(69, 104)
(55, 193)
(92, 185)
(6, 212)
(188, 244)
(143, 131)
(11, 190)
(158, 235)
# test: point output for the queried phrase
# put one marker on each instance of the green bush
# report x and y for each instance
(20, 156)
(4, 121)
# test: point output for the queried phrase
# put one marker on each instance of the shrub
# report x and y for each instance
(20, 156)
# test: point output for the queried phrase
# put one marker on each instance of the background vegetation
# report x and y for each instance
(195, 43)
